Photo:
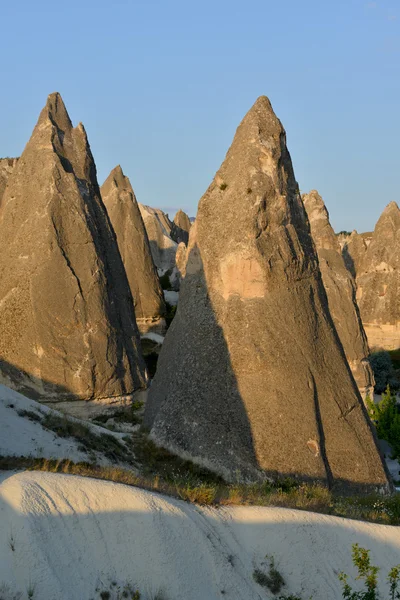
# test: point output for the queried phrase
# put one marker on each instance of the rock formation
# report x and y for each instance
(180, 228)
(67, 323)
(340, 289)
(378, 284)
(252, 380)
(133, 243)
(162, 246)
(7, 166)
(354, 247)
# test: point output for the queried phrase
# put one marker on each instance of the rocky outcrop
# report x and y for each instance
(180, 228)
(378, 284)
(340, 288)
(354, 247)
(162, 246)
(252, 380)
(133, 243)
(67, 324)
(7, 166)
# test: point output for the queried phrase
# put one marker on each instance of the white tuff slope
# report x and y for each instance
(71, 535)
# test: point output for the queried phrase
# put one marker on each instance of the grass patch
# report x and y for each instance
(108, 445)
(201, 487)
(272, 580)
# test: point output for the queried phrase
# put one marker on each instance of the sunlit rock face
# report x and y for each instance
(340, 288)
(7, 166)
(180, 228)
(133, 243)
(67, 324)
(378, 286)
(162, 246)
(354, 247)
(252, 380)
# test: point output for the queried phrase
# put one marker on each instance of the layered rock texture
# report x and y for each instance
(162, 246)
(7, 166)
(340, 288)
(180, 228)
(378, 283)
(67, 322)
(133, 243)
(252, 380)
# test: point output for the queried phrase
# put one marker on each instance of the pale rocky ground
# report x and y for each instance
(74, 535)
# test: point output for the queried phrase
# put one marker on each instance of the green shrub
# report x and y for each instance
(384, 373)
(272, 580)
(386, 417)
(368, 574)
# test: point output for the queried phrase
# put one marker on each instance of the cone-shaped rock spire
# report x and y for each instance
(340, 288)
(67, 324)
(252, 379)
(181, 227)
(133, 243)
(378, 282)
(162, 246)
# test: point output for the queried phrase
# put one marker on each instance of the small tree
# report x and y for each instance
(386, 416)
(369, 575)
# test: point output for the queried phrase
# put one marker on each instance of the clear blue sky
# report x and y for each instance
(162, 85)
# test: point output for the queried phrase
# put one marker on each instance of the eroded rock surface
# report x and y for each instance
(340, 288)
(180, 228)
(162, 246)
(67, 323)
(133, 243)
(252, 380)
(7, 166)
(354, 247)
(378, 285)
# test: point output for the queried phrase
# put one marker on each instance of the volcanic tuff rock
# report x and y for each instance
(340, 288)
(180, 228)
(158, 227)
(354, 247)
(252, 379)
(67, 323)
(133, 243)
(7, 166)
(378, 286)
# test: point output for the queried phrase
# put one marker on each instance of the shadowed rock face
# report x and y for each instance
(7, 166)
(354, 247)
(66, 312)
(133, 243)
(252, 379)
(341, 292)
(378, 285)
(180, 228)
(162, 246)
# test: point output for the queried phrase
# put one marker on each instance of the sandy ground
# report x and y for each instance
(68, 536)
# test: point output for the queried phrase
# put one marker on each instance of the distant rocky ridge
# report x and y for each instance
(67, 325)
(340, 288)
(252, 380)
(133, 243)
(7, 165)
(180, 228)
(378, 282)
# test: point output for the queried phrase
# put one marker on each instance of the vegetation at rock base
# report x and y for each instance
(386, 416)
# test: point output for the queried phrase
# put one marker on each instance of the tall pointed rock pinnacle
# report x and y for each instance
(133, 243)
(252, 380)
(67, 322)
(181, 228)
(378, 282)
(162, 246)
(340, 289)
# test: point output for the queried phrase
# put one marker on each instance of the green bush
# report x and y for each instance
(384, 373)
(368, 574)
(386, 417)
